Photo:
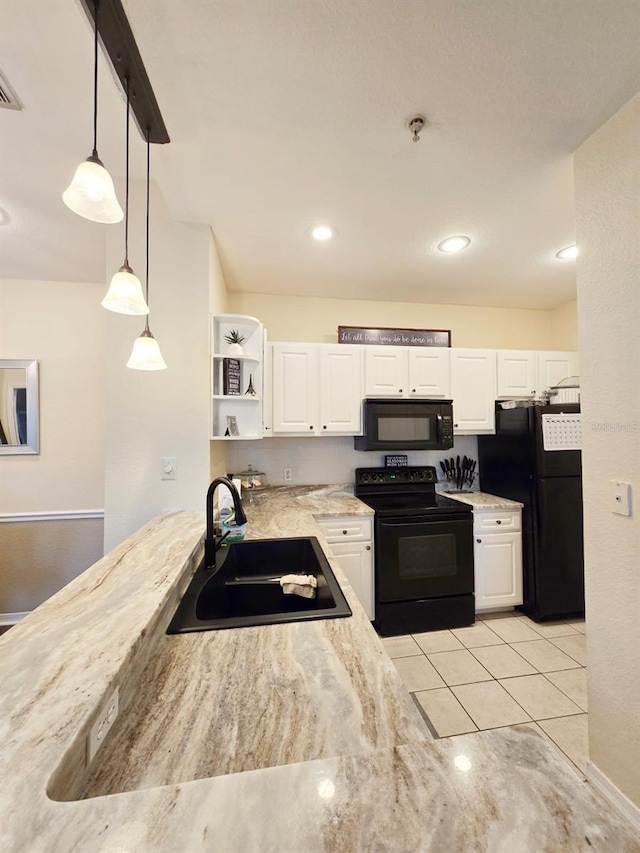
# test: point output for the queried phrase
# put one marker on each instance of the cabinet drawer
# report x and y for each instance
(496, 521)
(346, 529)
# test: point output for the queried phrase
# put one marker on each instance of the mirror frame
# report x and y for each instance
(33, 410)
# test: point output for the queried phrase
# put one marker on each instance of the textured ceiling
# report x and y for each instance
(285, 113)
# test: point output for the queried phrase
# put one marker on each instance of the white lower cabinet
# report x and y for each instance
(497, 554)
(350, 539)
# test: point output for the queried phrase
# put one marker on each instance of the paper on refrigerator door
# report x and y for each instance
(562, 432)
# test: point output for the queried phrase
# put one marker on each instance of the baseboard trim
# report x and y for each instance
(55, 515)
(12, 618)
(613, 795)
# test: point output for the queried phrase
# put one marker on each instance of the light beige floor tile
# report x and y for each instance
(549, 629)
(575, 646)
(539, 697)
(476, 635)
(580, 626)
(503, 661)
(571, 735)
(489, 705)
(417, 673)
(513, 630)
(437, 641)
(545, 656)
(446, 714)
(459, 667)
(400, 647)
(572, 682)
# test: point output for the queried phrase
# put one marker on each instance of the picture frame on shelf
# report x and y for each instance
(232, 425)
(231, 377)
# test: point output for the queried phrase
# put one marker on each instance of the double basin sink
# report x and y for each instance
(243, 589)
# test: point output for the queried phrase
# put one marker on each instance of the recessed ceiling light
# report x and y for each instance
(454, 244)
(568, 253)
(322, 233)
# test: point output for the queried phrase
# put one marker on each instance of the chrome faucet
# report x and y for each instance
(211, 544)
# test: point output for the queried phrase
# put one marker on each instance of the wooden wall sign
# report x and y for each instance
(394, 337)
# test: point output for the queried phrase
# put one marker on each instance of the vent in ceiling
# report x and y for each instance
(8, 98)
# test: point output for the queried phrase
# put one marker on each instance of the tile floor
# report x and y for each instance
(502, 671)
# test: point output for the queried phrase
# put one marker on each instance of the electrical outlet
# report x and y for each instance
(100, 728)
(168, 467)
(286, 473)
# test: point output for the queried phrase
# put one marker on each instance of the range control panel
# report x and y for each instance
(397, 476)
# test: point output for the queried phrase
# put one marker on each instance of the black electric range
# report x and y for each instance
(423, 578)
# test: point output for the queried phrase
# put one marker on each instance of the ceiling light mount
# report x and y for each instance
(416, 125)
(454, 244)
(569, 253)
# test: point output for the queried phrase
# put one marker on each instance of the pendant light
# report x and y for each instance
(146, 354)
(125, 291)
(91, 193)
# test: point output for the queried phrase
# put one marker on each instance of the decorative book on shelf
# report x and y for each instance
(231, 376)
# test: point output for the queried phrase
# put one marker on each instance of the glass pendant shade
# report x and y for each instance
(91, 193)
(125, 293)
(146, 354)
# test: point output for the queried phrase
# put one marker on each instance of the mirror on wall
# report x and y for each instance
(19, 425)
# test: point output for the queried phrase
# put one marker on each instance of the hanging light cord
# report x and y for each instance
(95, 78)
(126, 194)
(147, 261)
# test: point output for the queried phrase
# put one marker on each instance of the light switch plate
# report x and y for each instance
(168, 468)
(620, 497)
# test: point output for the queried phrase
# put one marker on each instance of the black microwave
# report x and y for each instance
(406, 425)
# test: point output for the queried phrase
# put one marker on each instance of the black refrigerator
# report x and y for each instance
(514, 464)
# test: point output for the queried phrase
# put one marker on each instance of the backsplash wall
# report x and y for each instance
(319, 461)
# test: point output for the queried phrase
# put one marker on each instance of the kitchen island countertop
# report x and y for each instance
(383, 786)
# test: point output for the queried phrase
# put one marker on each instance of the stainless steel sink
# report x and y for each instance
(244, 590)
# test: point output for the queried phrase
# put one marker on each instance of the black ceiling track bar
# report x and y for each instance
(120, 45)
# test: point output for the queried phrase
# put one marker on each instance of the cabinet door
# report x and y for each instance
(473, 388)
(498, 570)
(385, 371)
(554, 366)
(429, 372)
(356, 561)
(517, 373)
(295, 388)
(340, 389)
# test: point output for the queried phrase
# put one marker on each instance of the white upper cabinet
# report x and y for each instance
(407, 372)
(295, 388)
(430, 372)
(385, 371)
(340, 389)
(517, 373)
(473, 389)
(316, 389)
(554, 366)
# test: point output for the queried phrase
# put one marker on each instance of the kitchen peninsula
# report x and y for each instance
(282, 737)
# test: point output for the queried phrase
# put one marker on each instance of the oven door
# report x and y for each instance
(423, 557)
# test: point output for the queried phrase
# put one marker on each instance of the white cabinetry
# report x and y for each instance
(517, 373)
(244, 408)
(407, 372)
(554, 366)
(317, 389)
(350, 539)
(497, 559)
(473, 389)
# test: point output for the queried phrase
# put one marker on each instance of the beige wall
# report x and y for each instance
(564, 326)
(63, 326)
(607, 182)
(153, 414)
(218, 302)
(303, 318)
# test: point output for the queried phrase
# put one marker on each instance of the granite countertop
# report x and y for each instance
(334, 756)
(482, 500)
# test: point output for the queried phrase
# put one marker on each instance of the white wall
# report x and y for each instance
(607, 182)
(303, 318)
(160, 413)
(564, 326)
